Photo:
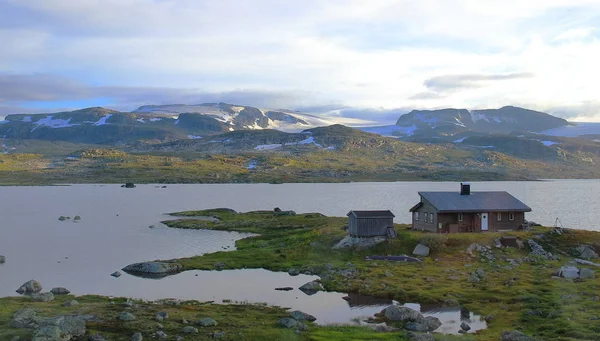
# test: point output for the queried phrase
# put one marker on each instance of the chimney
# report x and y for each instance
(465, 188)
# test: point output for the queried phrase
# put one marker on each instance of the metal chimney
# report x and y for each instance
(465, 188)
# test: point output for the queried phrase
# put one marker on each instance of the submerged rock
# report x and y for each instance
(312, 287)
(116, 274)
(153, 268)
(285, 289)
(421, 250)
(293, 272)
(30, 287)
(2, 259)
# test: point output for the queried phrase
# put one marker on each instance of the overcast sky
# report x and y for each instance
(320, 54)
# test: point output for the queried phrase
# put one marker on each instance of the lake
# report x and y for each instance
(114, 232)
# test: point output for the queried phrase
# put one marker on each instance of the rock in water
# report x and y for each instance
(311, 287)
(116, 274)
(293, 272)
(62, 218)
(421, 250)
(153, 268)
(30, 287)
(128, 185)
(77, 218)
(60, 291)
(206, 322)
(464, 326)
(398, 313)
(2, 259)
(301, 316)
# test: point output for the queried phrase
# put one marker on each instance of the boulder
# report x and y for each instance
(77, 218)
(70, 303)
(96, 337)
(128, 185)
(206, 322)
(416, 327)
(160, 335)
(301, 316)
(42, 296)
(125, 316)
(421, 250)
(586, 252)
(153, 268)
(219, 266)
(311, 287)
(24, 318)
(217, 335)
(398, 313)
(514, 335)
(30, 287)
(2, 259)
(189, 330)
(473, 279)
(137, 337)
(538, 250)
(69, 326)
(293, 272)
(62, 218)
(50, 333)
(116, 274)
(60, 291)
(464, 326)
(412, 336)
(568, 272)
(161, 315)
(290, 323)
(479, 272)
(586, 274)
(432, 323)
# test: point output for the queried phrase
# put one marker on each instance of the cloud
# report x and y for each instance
(456, 82)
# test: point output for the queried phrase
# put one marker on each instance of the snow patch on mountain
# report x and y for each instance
(50, 122)
(102, 120)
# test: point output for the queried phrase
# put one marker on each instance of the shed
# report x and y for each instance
(370, 223)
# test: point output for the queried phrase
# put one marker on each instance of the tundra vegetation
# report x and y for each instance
(515, 288)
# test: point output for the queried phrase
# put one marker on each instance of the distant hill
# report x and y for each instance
(444, 122)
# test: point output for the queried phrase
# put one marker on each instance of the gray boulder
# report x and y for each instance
(416, 327)
(125, 316)
(568, 272)
(586, 274)
(293, 272)
(50, 333)
(24, 318)
(219, 266)
(217, 335)
(290, 323)
(421, 250)
(2, 259)
(42, 296)
(398, 313)
(312, 287)
(412, 336)
(30, 287)
(137, 337)
(60, 291)
(69, 326)
(116, 274)
(206, 322)
(153, 268)
(464, 326)
(473, 279)
(161, 335)
(189, 330)
(586, 252)
(432, 323)
(301, 316)
(514, 336)
(96, 337)
(70, 303)
(161, 315)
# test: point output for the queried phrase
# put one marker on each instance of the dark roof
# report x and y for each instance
(475, 202)
(372, 214)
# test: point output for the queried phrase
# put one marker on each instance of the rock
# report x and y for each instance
(96, 337)
(62, 218)
(42, 297)
(290, 323)
(285, 289)
(153, 268)
(184, 321)
(285, 213)
(311, 287)
(206, 322)
(77, 218)
(137, 337)
(585, 262)
(479, 273)
(538, 250)
(125, 316)
(277, 209)
(465, 326)
(412, 336)
(219, 266)
(301, 316)
(421, 250)
(586, 274)
(161, 315)
(70, 303)
(151, 226)
(116, 274)
(473, 279)
(30, 287)
(60, 291)
(416, 327)
(160, 335)
(360, 243)
(128, 304)
(24, 318)
(514, 336)
(398, 313)
(568, 272)
(2, 259)
(217, 335)
(293, 272)
(70, 326)
(189, 330)
(128, 185)
(432, 323)
(160, 326)
(50, 333)
(586, 252)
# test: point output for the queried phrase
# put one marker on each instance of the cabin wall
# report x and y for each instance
(505, 224)
(369, 227)
(421, 224)
(450, 223)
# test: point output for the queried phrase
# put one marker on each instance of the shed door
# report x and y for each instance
(484, 221)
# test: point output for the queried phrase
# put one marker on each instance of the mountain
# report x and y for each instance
(450, 122)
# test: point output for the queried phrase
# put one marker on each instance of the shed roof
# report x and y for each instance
(475, 202)
(372, 214)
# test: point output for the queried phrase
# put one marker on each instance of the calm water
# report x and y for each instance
(114, 232)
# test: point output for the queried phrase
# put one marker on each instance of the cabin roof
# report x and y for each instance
(371, 214)
(475, 202)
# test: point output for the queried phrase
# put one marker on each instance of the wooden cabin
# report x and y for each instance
(466, 211)
(370, 223)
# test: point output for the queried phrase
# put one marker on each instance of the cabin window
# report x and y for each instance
(431, 218)
(511, 216)
(425, 215)
(460, 217)
(499, 216)
(416, 216)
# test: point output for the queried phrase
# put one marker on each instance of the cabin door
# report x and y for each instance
(484, 221)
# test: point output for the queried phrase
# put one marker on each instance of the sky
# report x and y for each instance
(368, 59)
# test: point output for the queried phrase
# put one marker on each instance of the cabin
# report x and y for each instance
(466, 211)
(371, 223)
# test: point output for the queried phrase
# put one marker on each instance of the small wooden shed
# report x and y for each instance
(370, 223)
